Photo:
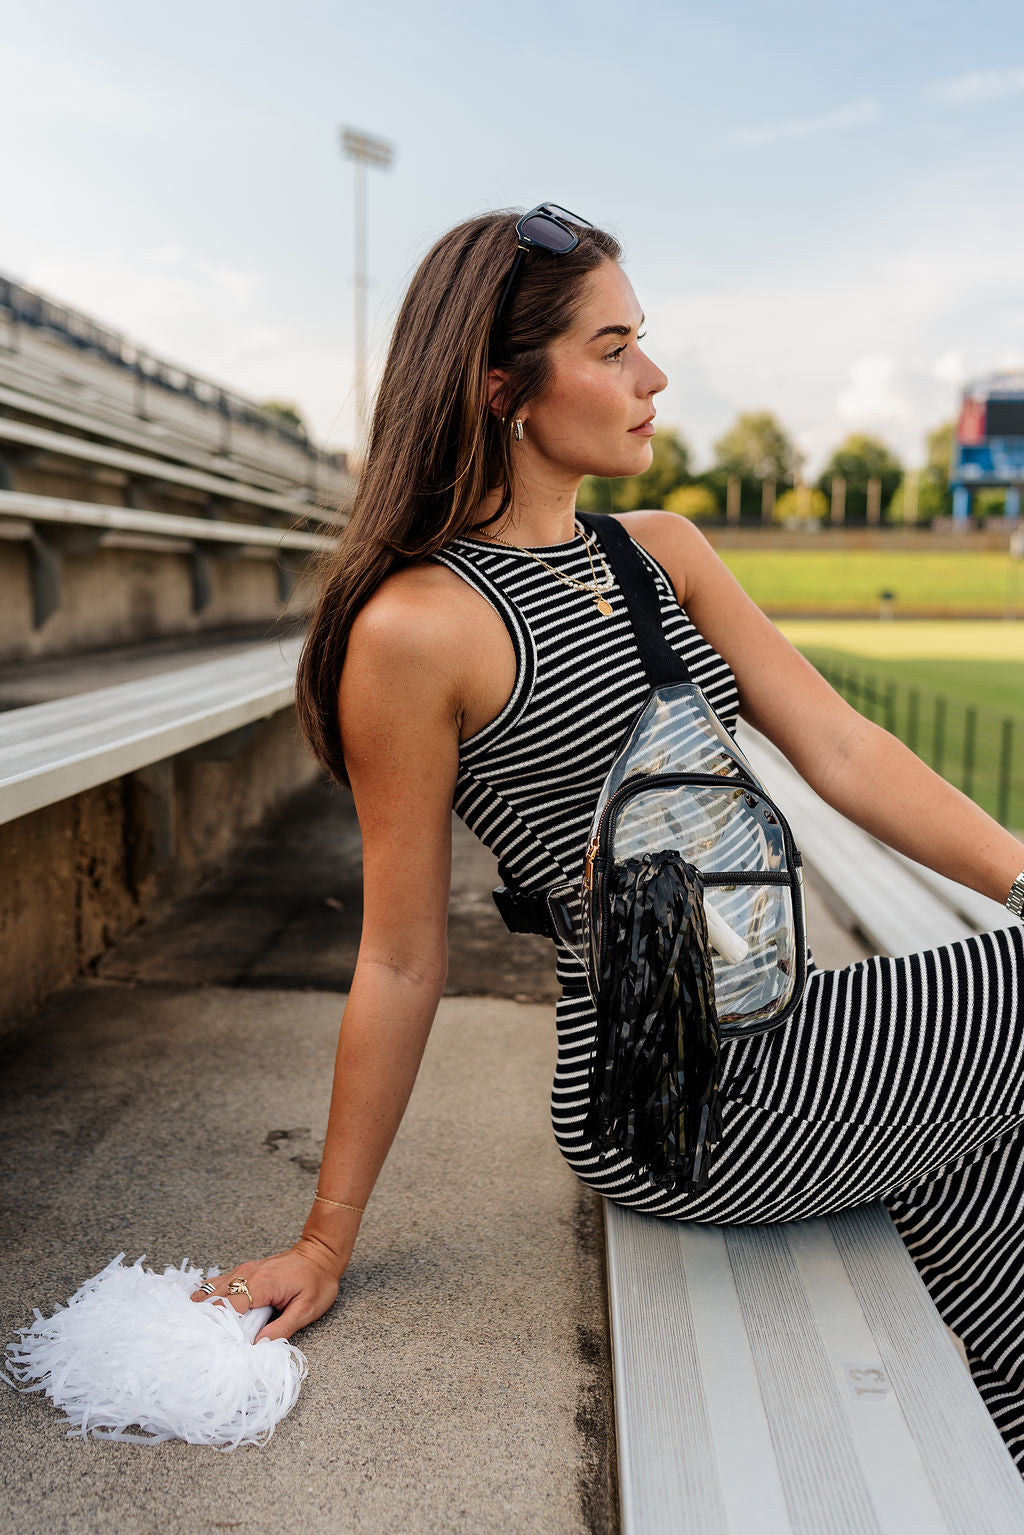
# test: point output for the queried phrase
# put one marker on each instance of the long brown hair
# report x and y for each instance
(435, 448)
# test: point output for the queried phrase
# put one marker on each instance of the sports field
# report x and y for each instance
(978, 663)
(852, 580)
(953, 690)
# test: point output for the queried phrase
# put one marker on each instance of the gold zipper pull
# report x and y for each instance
(588, 873)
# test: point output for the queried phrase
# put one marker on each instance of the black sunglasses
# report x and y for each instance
(544, 228)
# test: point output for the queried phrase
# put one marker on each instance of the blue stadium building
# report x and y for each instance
(988, 446)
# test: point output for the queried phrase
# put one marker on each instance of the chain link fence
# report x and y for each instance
(979, 751)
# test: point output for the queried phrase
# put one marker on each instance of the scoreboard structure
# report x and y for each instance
(988, 445)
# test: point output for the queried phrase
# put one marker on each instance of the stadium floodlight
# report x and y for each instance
(363, 150)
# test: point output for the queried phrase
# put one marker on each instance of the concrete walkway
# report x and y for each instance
(173, 1103)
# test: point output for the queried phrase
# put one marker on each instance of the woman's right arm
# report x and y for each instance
(400, 728)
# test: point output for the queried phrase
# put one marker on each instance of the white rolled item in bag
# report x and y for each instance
(724, 939)
(132, 1358)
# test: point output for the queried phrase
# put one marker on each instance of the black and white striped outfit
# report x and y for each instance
(897, 1078)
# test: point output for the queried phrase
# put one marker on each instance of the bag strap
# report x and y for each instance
(661, 663)
(529, 911)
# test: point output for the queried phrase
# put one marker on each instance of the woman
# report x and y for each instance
(470, 648)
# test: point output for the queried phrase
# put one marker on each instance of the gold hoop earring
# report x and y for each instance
(517, 429)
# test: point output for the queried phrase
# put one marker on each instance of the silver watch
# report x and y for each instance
(1015, 899)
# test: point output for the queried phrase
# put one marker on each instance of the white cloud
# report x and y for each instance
(867, 110)
(872, 397)
(976, 85)
(941, 299)
(951, 368)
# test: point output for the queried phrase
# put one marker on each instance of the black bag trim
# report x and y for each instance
(524, 911)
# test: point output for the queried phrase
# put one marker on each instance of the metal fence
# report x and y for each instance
(979, 751)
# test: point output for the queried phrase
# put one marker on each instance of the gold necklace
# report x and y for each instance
(595, 590)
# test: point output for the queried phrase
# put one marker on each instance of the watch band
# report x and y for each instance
(1015, 899)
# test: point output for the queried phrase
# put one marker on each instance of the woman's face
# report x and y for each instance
(595, 415)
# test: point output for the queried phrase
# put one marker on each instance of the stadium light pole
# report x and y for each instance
(362, 150)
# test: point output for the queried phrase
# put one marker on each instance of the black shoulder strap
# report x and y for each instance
(661, 663)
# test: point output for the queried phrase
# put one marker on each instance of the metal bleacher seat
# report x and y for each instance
(47, 404)
(796, 1377)
(145, 466)
(119, 382)
(50, 751)
(63, 405)
(77, 398)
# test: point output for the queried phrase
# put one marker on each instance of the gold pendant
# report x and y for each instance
(603, 606)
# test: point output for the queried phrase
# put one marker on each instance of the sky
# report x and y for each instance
(820, 205)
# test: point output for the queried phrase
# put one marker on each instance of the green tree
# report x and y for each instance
(670, 467)
(989, 502)
(693, 501)
(802, 504)
(940, 451)
(857, 460)
(939, 445)
(754, 449)
(285, 411)
(931, 500)
(757, 448)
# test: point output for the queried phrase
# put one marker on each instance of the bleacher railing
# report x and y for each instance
(27, 307)
(976, 749)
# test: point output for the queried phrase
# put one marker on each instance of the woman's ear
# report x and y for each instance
(497, 384)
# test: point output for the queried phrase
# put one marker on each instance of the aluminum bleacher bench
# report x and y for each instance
(201, 537)
(120, 382)
(52, 750)
(146, 467)
(797, 1377)
(145, 437)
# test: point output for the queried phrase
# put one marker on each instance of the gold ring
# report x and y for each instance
(239, 1287)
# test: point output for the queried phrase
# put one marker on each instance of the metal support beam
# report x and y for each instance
(50, 542)
(287, 575)
(151, 822)
(223, 748)
(199, 572)
(44, 568)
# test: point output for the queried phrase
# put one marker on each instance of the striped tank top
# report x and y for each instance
(528, 782)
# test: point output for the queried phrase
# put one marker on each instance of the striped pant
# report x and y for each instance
(898, 1079)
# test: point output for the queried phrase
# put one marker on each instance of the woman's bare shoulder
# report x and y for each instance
(419, 611)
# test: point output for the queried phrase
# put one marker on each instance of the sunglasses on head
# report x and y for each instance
(544, 228)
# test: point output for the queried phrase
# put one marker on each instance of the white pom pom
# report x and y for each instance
(131, 1350)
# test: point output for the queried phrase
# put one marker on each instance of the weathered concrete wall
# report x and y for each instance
(119, 595)
(129, 587)
(77, 875)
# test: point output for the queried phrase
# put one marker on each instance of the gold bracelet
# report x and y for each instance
(359, 1209)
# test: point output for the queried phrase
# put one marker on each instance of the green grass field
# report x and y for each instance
(896, 672)
(816, 581)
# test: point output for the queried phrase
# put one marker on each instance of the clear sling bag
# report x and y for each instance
(689, 918)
